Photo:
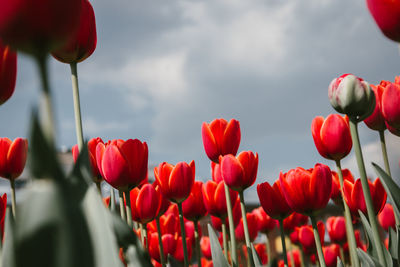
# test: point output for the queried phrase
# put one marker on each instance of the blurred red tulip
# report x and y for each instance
(169, 245)
(220, 138)
(83, 42)
(92, 144)
(354, 197)
(335, 194)
(272, 200)
(8, 72)
(214, 198)
(386, 217)
(164, 202)
(106, 201)
(145, 203)
(331, 253)
(252, 226)
(265, 223)
(307, 190)
(12, 157)
(176, 182)
(296, 257)
(306, 237)
(262, 254)
(332, 136)
(239, 172)
(294, 236)
(178, 253)
(193, 207)
(391, 105)
(236, 214)
(123, 164)
(295, 219)
(206, 262)
(336, 227)
(3, 211)
(376, 121)
(387, 16)
(205, 247)
(216, 172)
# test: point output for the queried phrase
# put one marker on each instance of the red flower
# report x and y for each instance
(220, 138)
(239, 172)
(12, 157)
(391, 105)
(354, 197)
(387, 16)
(164, 202)
(262, 253)
(265, 223)
(8, 72)
(272, 200)
(376, 121)
(92, 144)
(236, 214)
(216, 172)
(296, 256)
(169, 245)
(335, 194)
(83, 43)
(331, 253)
(306, 237)
(176, 182)
(252, 225)
(294, 220)
(214, 198)
(123, 164)
(193, 207)
(205, 247)
(145, 203)
(332, 136)
(178, 253)
(3, 209)
(336, 227)
(307, 190)
(38, 27)
(386, 217)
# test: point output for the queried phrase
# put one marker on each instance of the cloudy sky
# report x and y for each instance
(161, 68)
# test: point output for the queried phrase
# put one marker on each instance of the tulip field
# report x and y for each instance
(175, 219)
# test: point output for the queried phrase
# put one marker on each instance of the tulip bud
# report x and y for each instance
(391, 105)
(386, 217)
(331, 253)
(8, 72)
(272, 200)
(193, 207)
(376, 121)
(12, 157)
(336, 227)
(252, 225)
(92, 144)
(352, 96)
(387, 16)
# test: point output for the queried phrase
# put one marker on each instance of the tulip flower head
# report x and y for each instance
(3, 210)
(391, 106)
(216, 172)
(273, 201)
(336, 192)
(386, 217)
(352, 96)
(214, 198)
(92, 144)
(336, 227)
(332, 136)
(220, 138)
(376, 121)
(193, 207)
(295, 219)
(386, 14)
(169, 245)
(252, 225)
(12, 157)
(145, 203)
(8, 72)
(265, 223)
(331, 253)
(306, 236)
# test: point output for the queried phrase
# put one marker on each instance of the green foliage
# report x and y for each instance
(216, 250)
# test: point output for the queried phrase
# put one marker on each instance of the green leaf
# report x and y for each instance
(8, 251)
(367, 260)
(388, 257)
(394, 242)
(369, 235)
(339, 262)
(257, 261)
(216, 250)
(134, 257)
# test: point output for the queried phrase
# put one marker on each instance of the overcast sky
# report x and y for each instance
(161, 68)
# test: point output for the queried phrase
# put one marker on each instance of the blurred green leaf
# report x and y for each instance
(394, 242)
(339, 262)
(216, 250)
(135, 257)
(8, 250)
(367, 260)
(371, 249)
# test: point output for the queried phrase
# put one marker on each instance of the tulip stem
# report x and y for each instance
(318, 242)
(141, 234)
(384, 152)
(342, 254)
(285, 260)
(197, 242)
(349, 223)
(77, 106)
(160, 242)
(121, 205)
(13, 202)
(234, 255)
(182, 223)
(224, 238)
(145, 239)
(128, 209)
(366, 191)
(268, 249)
(303, 259)
(246, 229)
(112, 199)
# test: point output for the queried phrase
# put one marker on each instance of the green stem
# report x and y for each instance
(197, 242)
(112, 199)
(141, 234)
(145, 239)
(318, 242)
(98, 185)
(303, 260)
(128, 209)
(268, 249)
(13, 201)
(366, 191)
(246, 229)
(384, 152)
(77, 106)
(349, 223)
(283, 242)
(224, 239)
(234, 255)
(182, 223)
(160, 242)
(342, 254)
(121, 205)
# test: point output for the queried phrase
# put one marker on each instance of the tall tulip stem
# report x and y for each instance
(77, 106)
(128, 209)
(268, 247)
(160, 242)
(122, 205)
(234, 255)
(197, 242)
(384, 152)
(13, 202)
(112, 199)
(182, 223)
(318, 242)
(366, 191)
(341, 251)
(349, 222)
(246, 228)
(285, 260)
(224, 239)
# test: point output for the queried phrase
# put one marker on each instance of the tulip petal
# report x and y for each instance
(5, 144)
(16, 157)
(231, 138)
(232, 172)
(114, 167)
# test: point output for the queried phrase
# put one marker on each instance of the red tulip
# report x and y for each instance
(376, 121)
(12, 157)
(296, 257)
(331, 253)
(83, 42)
(306, 236)
(335, 194)
(332, 136)
(8, 72)
(354, 197)
(261, 251)
(193, 207)
(38, 27)
(3, 210)
(92, 144)
(252, 225)
(387, 16)
(391, 105)
(265, 223)
(216, 172)
(206, 263)
(214, 198)
(145, 203)
(123, 164)
(236, 214)
(294, 236)
(169, 245)
(272, 200)
(307, 190)
(164, 202)
(178, 253)
(294, 220)
(220, 138)
(239, 172)
(205, 247)
(386, 217)
(176, 182)
(336, 227)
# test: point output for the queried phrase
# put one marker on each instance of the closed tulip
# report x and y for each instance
(164, 202)
(205, 247)
(332, 136)
(240, 172)
(12, 157)
(252, 225)
(391, 105)
(220, 138)
(193, 207)
(8, 72)
(307, 191)
(214, 198)
(145, 203)
(354, 197)
(386, 217)
(262, 253)
(386, 14)
(92, 144)
(236, 214)
(295, 219)
(3, 211)
(178, 253)
(296, 257)
(83, 42)
(123, 164)
(376, 121)
(306, 237)
(336, 193)
(336, 227)
(169, 245)
(216, 172)
(331, 253)
(272, 200)
(176, 182)
(265, 223)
